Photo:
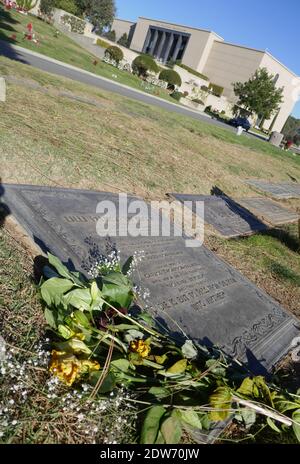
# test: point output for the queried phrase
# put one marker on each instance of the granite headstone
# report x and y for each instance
(269, 210)
(207, 298)
(281, 191)
(228, 217)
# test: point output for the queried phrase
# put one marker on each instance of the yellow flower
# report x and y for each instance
(68, 368)
(140, 347)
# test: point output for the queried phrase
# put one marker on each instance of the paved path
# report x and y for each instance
(53, 66)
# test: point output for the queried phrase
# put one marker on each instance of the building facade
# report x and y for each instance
(208, 53)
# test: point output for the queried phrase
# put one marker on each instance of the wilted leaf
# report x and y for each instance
(296, 424)
(191, 418)
(178, 368)
(246, 388)
(247, 416)
(65, 331)
(133, 334)
(151, 425)
(52, 290)
(161, 359)
(74, 346)
(189, 351)
(221, 401)
(171, 429)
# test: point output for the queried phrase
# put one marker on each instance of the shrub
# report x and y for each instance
(185, 94)
(177, 95)
(144, 63)
(171, 77)
(114, 53)
(103, 43)
(208, 109)
(123, 40)
(216, 90)
(110, 35)
(204, 88)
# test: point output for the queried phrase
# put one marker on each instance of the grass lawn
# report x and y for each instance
(64, 49)
(97, 140)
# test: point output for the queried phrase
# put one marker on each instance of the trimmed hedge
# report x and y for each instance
(192, 71)
(144, 63)
(171, 77)
(103, 43)
(216, 90)
(177, 95)
(114, 53)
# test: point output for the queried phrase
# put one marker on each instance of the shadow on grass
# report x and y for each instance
(4, 209)
(283, 272)
(284, 237)
(6, 49)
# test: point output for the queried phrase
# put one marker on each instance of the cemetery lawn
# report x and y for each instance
(87, 138)
(64, 49)
(92, 139)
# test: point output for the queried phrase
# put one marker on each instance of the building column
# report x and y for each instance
(177, 48)
(154, 42)
(147, 41)
(169, 46)
(161, 45)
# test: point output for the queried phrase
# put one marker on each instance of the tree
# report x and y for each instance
(110, 35)
(123, 40)
(100, 13)
(259, 94)
(144, 63)
(67, 5)
(171, 77)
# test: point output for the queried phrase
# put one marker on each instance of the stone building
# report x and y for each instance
(208, 53)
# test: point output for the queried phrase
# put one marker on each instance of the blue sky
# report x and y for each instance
(263, 24)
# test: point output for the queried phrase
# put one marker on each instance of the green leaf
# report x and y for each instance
(146, 317)
(296, 423)
(116, 278)
(133, 334)
(123, 328)
(126, 266)
(121, 364)
(160, 439)
(171, 429)
(151, 425)
(206, 422)
(82, 319)
(159, 392)
(108, 384)
(117, 295)
(188, 350)
(62, 269)
(221, 401)
(272, 424)
(65, 332)
(247, 416)
(191, 418)
(178, 368)
(79, 298)
(50, 318)
(52, 290)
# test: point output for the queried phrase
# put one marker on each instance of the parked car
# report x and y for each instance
(243, 122)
